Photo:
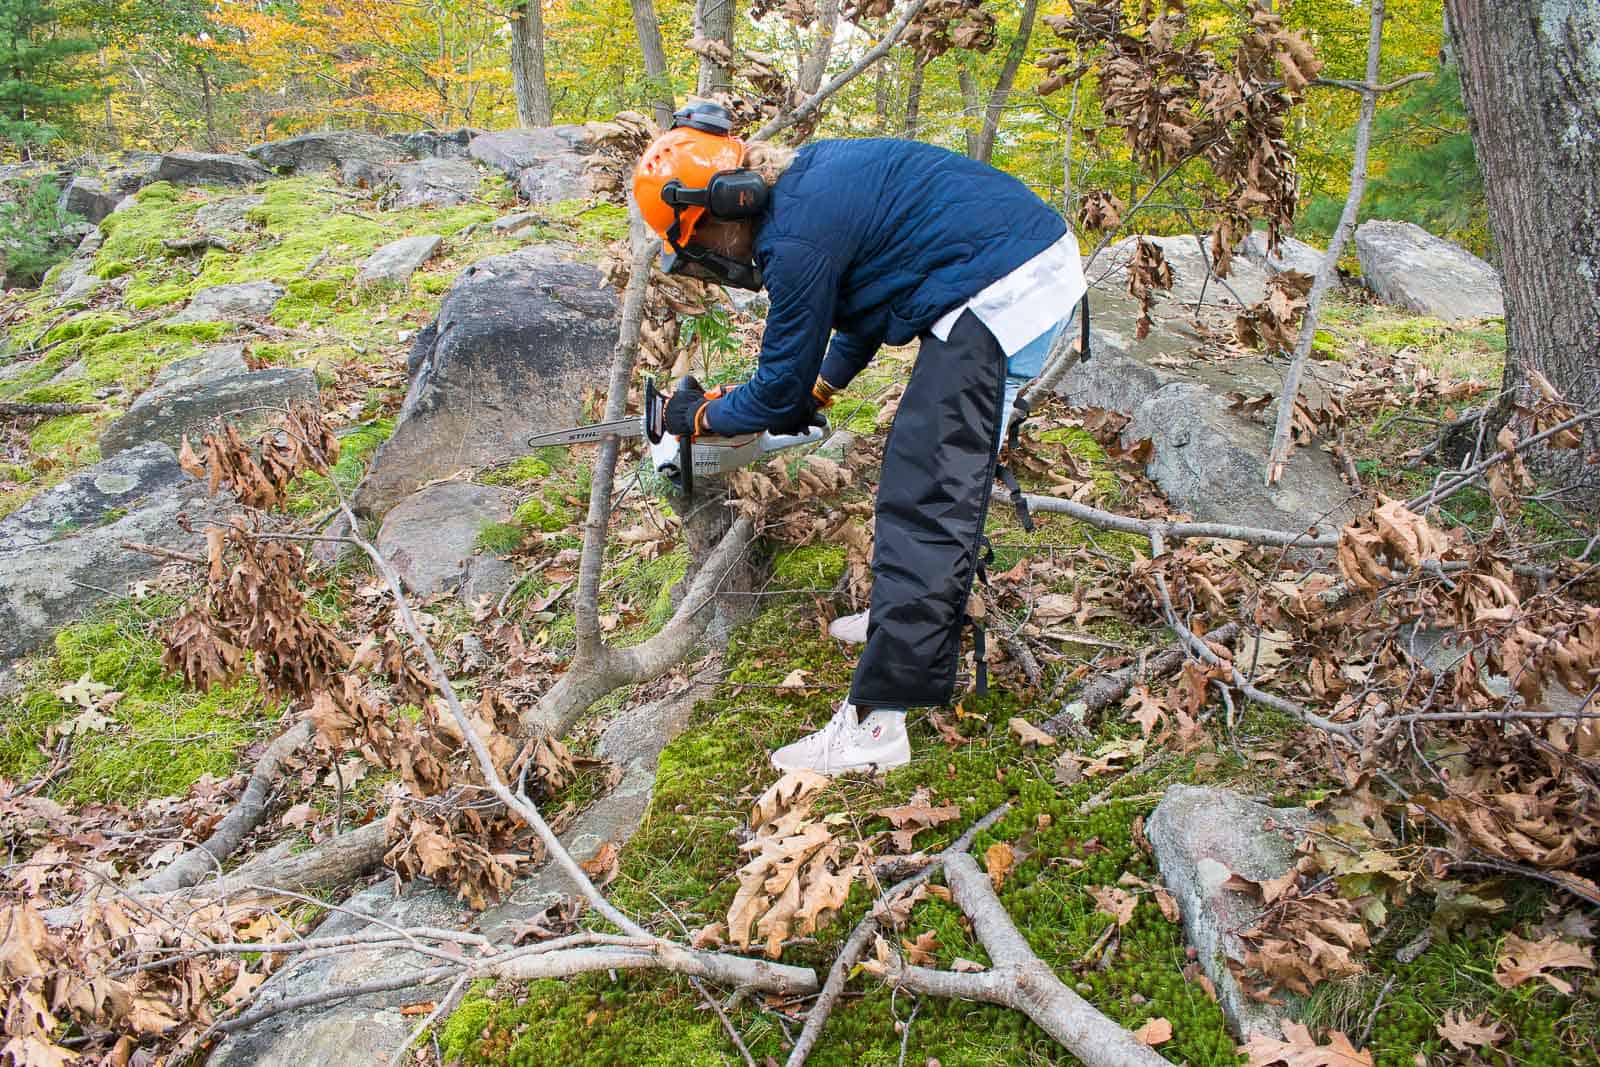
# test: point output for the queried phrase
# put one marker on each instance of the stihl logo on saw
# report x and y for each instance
(680, 459)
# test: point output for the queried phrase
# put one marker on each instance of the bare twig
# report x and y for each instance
(164, 553)
(1107, 520)
(1106, 689)
(1278, 454)
(1445, 490)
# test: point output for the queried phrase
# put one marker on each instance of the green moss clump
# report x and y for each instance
(311, 493)
(539, 514)
(500, 537)
(808, 567)
(66, 439)
(524, 471)
(163, 736)
(88, 324)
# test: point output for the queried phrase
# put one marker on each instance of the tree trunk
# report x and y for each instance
(914, 97)
(816, 63)
(648, 28)
(880, 100)
(1002, 86)
(714, 19)
(970, 109)
(1530, 76)
(527, 65)
(210, 107)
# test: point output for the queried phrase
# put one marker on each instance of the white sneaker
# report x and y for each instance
(851, 629)
(877, 742)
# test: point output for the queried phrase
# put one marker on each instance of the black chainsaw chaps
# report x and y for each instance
(933, 497)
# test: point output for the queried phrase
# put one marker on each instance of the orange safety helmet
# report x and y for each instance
(691, 157)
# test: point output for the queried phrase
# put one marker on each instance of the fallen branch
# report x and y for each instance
(198, 243)
(230, 833)
(1440, 493)
(1178, 531)
(164, 553)
(18, 409)
(867, 929)
(1328, 271)
(1103, 690)
(782, 122)
(1020, 980)
(1204, 652)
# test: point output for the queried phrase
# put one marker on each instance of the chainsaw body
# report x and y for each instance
(681, 459)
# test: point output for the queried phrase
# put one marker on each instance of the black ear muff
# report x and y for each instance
(736, 194)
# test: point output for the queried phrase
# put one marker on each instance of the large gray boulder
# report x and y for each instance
(1407, 266)
(236, 300)
(1191, 272)
(1208, 459)
(194, 396)
(205, 168)
(88, 197)
(1292, 254)
(446, 144)
(434, 183)
(367, 1031)
(311, 152)
(545, 163)
(431, 537)
(397, 261)
(518, 339)
(61, 553)
(1201, 837)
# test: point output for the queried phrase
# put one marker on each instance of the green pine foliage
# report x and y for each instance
(40, 85)
(32, 233)
(1429, 173)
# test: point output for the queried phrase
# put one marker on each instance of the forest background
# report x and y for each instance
(97, 76)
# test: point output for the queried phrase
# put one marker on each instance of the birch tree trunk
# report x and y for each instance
(527, 64)
(714, 19)
(648, 29)
(1530, 76)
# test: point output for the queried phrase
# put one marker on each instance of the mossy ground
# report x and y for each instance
(163, 736)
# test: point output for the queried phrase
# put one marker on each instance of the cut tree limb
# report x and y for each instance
(17, 409)
(1021, 980)
(1278, 454)
(1178, 531)
(782, 122)
(867, 929)
(247, 814)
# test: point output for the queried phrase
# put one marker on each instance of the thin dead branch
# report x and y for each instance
(1328, 271)
(1179, 531)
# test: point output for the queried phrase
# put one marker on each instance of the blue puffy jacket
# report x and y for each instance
(875, 239)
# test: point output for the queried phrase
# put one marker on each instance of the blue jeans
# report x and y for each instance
(1025, 364)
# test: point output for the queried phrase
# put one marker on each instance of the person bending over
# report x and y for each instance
(874, 242)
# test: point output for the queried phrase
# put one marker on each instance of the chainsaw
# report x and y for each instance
(681, 459)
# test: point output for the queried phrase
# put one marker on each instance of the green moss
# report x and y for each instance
(87, 324)
(687, 850)
(649, 584)
(163, 736)
(539, 514)
(500, 537)
(311, 493)
(525, 471)
(808, 567)
(66, 439)
(157, 296)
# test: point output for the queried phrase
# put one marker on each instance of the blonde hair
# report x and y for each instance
(767, 159)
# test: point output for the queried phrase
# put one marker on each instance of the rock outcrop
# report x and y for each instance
(206, 168)
(429, 182)
(397, 261)
(61, 553)
(518, 339)
(88, 197)
(1292, 254)
(446, 144)
(1407, 266)
(1201, 837)
(226, 303)
(545, 163)
(1191, 272)
(432, 536)
(1207, 459)
(310, 152)
(192, 396)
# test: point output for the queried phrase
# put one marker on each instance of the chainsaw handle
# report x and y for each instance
(776, 442)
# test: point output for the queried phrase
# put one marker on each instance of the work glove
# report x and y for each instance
(685, 407)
